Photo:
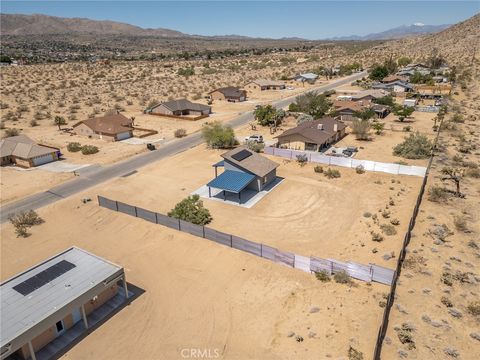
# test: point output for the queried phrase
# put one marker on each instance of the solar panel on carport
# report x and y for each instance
(242, 155)
(43, 277)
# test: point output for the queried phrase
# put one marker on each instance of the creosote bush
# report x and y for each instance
(89, 149)
(415, 146)
(438, 194)
(74, 147)
(192, 210)
(332, 173)
(179, 133)
(360, 169)
(342, 277)
(388, 229)
(474, 308)
(24, 220)
(318, 169)
(354, 354)
(322, 275)
(405, 335)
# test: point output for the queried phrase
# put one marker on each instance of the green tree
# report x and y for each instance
(415, 146)
(304, 117)
(311, 103)
(189, 71)
(386, 100)
(378, 127)
(378, 72)
(59, 121)
(403, 112)
(219, 136)
(365, 114)
(265, 115)
(192, 210)
(5, 59)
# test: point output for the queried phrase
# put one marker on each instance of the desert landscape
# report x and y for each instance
(194, 294)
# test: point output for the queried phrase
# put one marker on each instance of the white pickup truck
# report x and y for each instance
(254, 138)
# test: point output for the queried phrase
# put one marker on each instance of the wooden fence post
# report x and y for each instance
(116, 205)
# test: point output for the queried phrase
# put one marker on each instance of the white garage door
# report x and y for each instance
(42, 159)
(123, 136)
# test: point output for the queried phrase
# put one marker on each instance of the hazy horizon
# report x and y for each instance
(268, 19)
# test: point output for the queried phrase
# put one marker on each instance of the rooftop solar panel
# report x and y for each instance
(43, 277)
(242, 155)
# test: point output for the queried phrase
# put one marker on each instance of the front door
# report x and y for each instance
(60, 326)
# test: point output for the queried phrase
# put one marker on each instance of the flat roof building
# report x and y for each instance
(42, 303)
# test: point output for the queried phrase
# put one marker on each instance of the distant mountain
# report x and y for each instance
(15, 24)
(398, 32)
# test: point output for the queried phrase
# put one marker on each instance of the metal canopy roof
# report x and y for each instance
(232, 181)
(20, 313)
(219, 164)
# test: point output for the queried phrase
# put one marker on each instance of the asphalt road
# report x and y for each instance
(124, 167)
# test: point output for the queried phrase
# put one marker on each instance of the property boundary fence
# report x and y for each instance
(367, 165)
(369, 273)
(391, 297)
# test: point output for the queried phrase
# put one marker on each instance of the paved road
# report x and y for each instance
(93, 178)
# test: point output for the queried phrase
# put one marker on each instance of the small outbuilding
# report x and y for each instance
(47, 306)
(24, 152)
(230, 93)
(113, 127)
(243, 169)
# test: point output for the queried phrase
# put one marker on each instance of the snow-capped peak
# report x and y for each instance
(419, 24)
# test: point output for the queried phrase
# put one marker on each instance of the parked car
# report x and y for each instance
(254, 138)
(151, 147)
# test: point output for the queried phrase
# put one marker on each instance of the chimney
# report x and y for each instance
(335, 127)
(320, 126)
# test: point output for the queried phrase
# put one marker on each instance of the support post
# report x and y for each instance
(32, 352)
(239, 198)
(125, 286)
(84, 317)
(216, 172)
(209, 191)
(224, 196)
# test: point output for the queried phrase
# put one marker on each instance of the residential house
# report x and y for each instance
(262, 84)
(24, 152)
(243, 169)
(230, 93)
(114, 127)
(397, 86)
(314, 135)
(433, 91)
(43, 308)
(349, 107)
(391, 78)
(369, 95)
(181, 107)
(307, 77)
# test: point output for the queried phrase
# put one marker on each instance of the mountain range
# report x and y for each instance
(18, 24)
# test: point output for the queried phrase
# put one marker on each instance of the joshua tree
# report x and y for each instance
(454, 175)
(59, 121)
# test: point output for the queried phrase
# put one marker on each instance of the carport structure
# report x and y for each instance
(231, 181)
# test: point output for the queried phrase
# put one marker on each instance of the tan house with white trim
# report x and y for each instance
(114, 127)
(24, 152)
(262, 84)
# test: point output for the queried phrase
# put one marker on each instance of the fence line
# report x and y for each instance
(368, 165)
(384, 326)
(369, 273)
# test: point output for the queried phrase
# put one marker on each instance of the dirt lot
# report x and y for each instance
(199, 294)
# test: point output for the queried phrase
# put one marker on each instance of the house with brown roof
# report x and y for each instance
(244, 169)
(230, 93)
(349, 107)
(314, 135)
(24, 152)
(262, 84)
(113, 127)
(369, 95)
(180, 108)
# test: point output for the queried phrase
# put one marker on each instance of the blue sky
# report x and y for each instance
(275, 19)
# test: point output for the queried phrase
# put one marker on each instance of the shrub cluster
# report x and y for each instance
(24, 220)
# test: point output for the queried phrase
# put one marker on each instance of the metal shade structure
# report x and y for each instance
(231, 181)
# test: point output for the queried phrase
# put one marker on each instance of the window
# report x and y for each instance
(60, 326)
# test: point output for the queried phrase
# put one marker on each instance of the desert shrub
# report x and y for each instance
(2, 125)
(446, 301)
(473, 173)
(361, 128)
(415, 146)
(395, 222)
(386, 214)
(255, 146)
(304, 117)
(474, 308)
(388, 229)
(189, 71)
(332, 173)
(179, 133)
(11, 132)
(438, 194)
(342, 277)
(405, 335)
(360, 169)
(23, 220)
(322, 275)
(460, 223)
(302, 159)
(447, 278)
(311, 103)
(367, 214)
(192, 210)
(74, 147)
(89, 149)
(33, 123)
(318, 169)
(219, 136)
(458, 118)
(376, 237)
(354, 354)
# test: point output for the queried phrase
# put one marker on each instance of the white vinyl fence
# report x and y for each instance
(368, 165)
(369, 273)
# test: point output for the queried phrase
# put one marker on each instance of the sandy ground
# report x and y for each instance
(199, 294)
(16, 184)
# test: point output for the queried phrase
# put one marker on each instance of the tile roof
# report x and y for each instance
(255, 163)
(311, 131)
(23, 147)
(108, 124)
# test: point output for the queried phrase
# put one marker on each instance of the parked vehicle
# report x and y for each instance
(254, 138)
(151, 147)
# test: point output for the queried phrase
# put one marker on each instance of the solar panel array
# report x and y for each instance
(43, 277)
(242, 155)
